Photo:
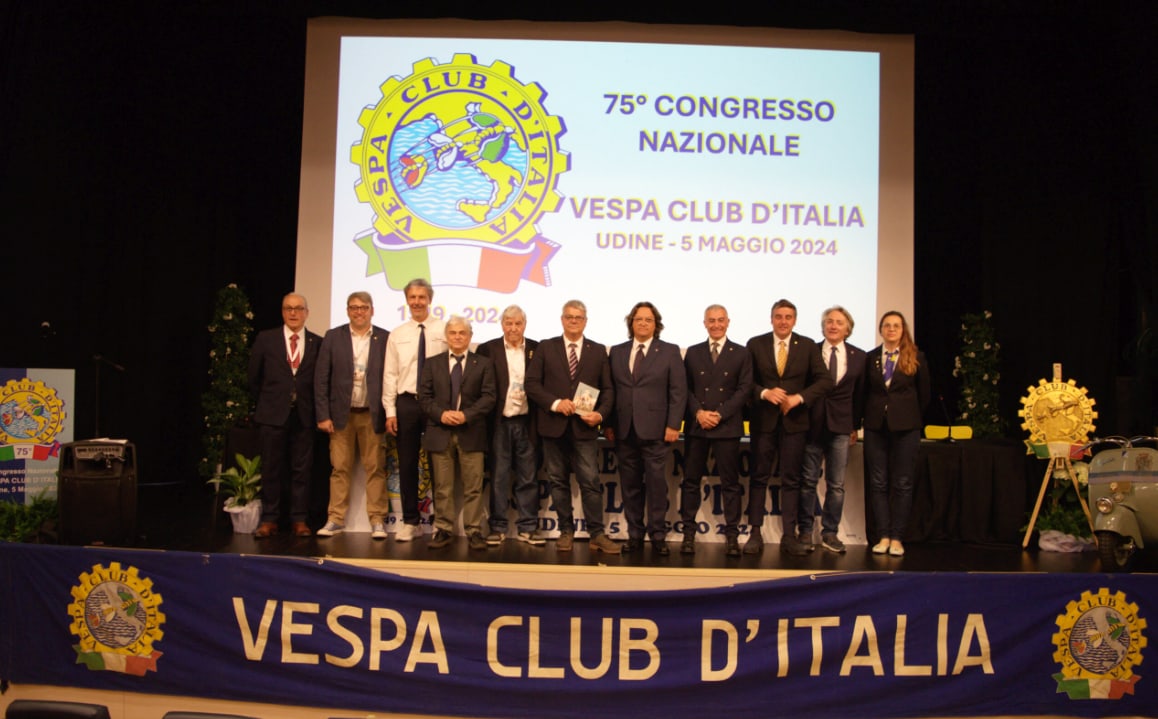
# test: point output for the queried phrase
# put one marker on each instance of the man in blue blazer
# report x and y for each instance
(281, 377)
(650, 397)
(348, 404)
(569, 433)
(788, 376)
(457, 393)
(832, 428)
(719, 376)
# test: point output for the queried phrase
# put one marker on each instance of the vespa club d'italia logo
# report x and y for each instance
(117, 617)
(459, 161)
(1098, 643)
(31, 416)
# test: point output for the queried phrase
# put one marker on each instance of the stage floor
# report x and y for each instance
(186, 518)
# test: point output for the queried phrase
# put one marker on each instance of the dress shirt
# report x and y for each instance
(841, 359)
(400, 375)
(635, 350)
(301, 344)
(515, 403)
(361, 346)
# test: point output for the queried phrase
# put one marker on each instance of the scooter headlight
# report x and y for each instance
(1105, 505)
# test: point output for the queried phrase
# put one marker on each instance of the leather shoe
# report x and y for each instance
(267, 529)
(633, 544)
(603, 543)
(688, 546)
(442, 538)
(733, 545)
(659, 546)
(793, 547)
(565, 541)
(754, 545)
(301, 529)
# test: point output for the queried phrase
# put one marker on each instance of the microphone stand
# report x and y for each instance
(97, 361)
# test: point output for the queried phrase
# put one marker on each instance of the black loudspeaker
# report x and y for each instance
(97, 493)
(36, 709)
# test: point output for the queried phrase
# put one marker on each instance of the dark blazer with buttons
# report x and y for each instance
(334, 377)
(804, 374)
(652, 398)
(476, 400)
(841, 409)
(903, 402)
(274, 384)
(549, 379)
(721, 386)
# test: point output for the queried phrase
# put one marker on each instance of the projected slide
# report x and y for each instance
(533, 172)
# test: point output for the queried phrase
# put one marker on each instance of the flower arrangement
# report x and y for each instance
(1062, 510)
(227, 402)
(977, 368)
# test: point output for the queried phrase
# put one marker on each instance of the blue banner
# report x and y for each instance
(313, 632)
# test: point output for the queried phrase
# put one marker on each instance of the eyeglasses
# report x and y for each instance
(294, 309)
(358, 308)
(574, 318)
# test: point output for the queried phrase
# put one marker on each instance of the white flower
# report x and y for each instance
(232, 285)
(987, 346)
(988, 314)
(248, 315)
(228, 403)
(227, 316)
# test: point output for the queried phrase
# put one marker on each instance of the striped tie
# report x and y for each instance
(781, 358)
(573, 362)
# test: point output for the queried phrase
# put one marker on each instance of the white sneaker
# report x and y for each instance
(881, 547)
(331, 529)
(896, 549)
(378, 530)
(405, 532)
(535, 538)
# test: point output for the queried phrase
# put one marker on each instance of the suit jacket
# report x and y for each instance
(902, 403)
(476, 400)
(841, 409)
(804, 374)
(549, 379)
(655, 396)
(721, 386)
(334, 377)
(274, 385)
(496, 351)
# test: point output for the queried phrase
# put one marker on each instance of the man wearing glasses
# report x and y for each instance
(348, 400)
(281, 377)
(570, 434)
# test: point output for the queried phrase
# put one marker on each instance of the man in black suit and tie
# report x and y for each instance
(348, 403)
(832, 428)
(457, 394)
(281, 377)
(650, 396)
(719, 374)
(788, 376)
(569, 434)
(514, 455)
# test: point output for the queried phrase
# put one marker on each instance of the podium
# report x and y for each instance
(97, 493)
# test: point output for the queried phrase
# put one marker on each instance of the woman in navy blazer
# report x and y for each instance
(897, 391)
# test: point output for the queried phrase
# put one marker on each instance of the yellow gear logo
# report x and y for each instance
(1098, 643)
(30, 412)
(1057, 412)
(116, 615)
(459, 162)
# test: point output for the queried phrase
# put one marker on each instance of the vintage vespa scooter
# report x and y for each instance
(1123, 489)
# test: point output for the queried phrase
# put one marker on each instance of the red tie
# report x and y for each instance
(295, 359)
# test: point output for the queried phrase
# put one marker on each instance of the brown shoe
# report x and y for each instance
(564, 542)
(301, 529)
(603, 543)
(267, 529)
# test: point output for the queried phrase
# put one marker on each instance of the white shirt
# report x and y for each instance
(287, 333)
(400, 375)
(635, 351)
(515, 403)
(361, 347)
(841, 359)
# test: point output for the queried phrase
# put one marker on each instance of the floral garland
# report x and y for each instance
(227, 402)
(977, 368)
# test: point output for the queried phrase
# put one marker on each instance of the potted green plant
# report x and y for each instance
(241, 486)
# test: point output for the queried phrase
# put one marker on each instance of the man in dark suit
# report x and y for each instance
(457, 394)
(281, 377)
(514, 452)
(570, 434)
(788, 376)
(650, 396)
(719, 375)
(348, 403)
(832, 429)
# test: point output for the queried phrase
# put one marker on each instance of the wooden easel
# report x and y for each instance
(1059, 458)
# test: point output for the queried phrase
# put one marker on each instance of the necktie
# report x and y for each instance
(421, 353)
(890, 365)
(456, 381)
(573, 362)
(295, 358)
(715, 352)
(781, 358)
(637, 368)
(832, 363)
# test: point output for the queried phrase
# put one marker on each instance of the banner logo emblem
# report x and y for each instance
(31, 416)
(459, 161)
(116, 615)
(1099, 641)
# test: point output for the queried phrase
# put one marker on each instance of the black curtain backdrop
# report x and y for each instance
(149, 155)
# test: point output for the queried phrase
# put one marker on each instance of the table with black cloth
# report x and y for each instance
(973, 491)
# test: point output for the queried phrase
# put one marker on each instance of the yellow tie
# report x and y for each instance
(781, 358)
